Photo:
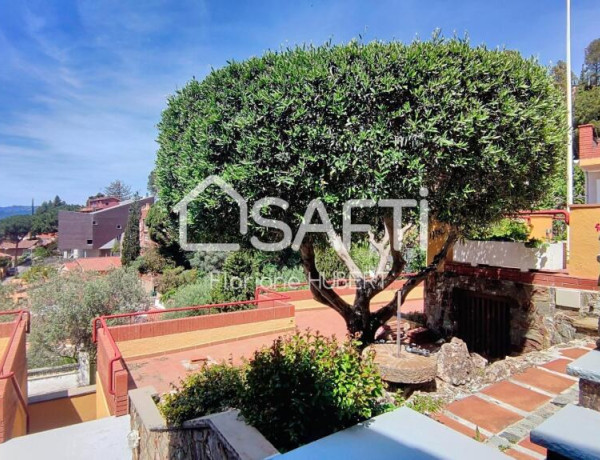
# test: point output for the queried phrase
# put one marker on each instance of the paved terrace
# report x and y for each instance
(504, 413)
(164, 360)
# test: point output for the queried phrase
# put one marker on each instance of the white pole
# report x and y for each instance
(398, 318)
(569, 123)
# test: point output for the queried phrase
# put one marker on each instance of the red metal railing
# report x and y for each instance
(11, 375)
(547, 212)
(101, 320)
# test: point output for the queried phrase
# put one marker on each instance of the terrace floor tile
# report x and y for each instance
(484, 414)
(574, 353)
(558, 365)
(517, 396)
(543, 380)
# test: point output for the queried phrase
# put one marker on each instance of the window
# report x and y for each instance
(94, 223)
(90, 241)
(119, 227)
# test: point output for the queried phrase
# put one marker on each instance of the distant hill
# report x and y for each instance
(8, 211)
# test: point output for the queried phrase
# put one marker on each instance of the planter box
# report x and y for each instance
(509, 254)
(216, 436)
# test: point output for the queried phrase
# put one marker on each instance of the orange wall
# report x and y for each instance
(540, 225)
(102, 409)
(56, 413)
(436, 239)
(12, 414)
(584, 243)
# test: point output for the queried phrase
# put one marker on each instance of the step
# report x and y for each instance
(572, 432)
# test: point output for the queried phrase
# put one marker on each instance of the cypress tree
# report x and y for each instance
(131, 238)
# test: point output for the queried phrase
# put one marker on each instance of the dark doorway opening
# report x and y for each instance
(483, 322)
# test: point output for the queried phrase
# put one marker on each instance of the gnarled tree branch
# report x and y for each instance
(388, 311)
(321, 290)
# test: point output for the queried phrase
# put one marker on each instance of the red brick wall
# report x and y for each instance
(196, 323)
(513, 274)
(16, 362)
(588, 143)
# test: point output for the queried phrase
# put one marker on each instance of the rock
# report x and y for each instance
(563, 328)
(479, 362)
(455, 365)
(408, 368)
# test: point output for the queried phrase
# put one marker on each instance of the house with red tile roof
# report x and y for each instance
(93, 264)
(8, 248)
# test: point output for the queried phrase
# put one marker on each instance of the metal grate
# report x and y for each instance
(483, 322)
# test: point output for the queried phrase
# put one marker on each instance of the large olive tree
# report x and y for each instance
(480, 129)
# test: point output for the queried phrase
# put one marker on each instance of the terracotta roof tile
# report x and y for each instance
(94, 264)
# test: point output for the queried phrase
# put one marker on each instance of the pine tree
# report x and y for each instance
(119, 190)
(131, 238)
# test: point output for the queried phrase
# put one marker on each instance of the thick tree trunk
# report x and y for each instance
(361, 323)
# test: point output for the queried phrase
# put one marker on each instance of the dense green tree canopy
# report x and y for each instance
(587, 107)
(45, 219)
(64, 306)
(14, 228)
(480, 129)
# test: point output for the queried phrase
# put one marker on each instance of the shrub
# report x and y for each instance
(173, 278)
(425, 404)
(503, 230)
(64, 306)
(190, 295)
(329, 264)
(272, 275)
(307, 386)
(207, 262)
(238, 278)
(152, 261)
(44, 252)
(213, 389)
(300, 389)
(38, 273)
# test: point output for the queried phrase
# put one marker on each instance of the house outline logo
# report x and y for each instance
(181, 208)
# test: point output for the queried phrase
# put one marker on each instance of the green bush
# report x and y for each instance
(329, 264)
(238, 278)
(298, 390)
(43, 252)
(198, 293)
(152, 261)
(173, 278)
(503, 230)
(207, 262)
(213, 389)
(307, 386)
(38, 273)
(272, 275)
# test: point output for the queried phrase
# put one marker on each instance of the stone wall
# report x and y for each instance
(214, 437)
(535, 322)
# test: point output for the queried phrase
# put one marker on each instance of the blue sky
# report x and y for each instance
(83, 83)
